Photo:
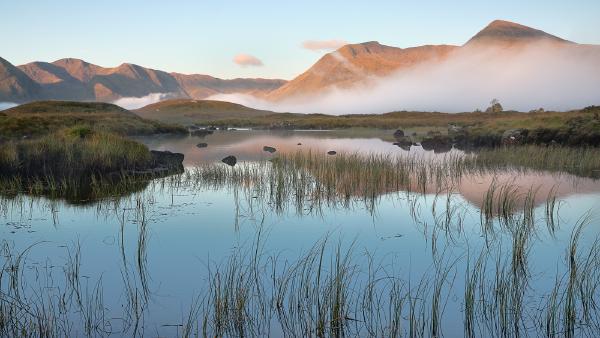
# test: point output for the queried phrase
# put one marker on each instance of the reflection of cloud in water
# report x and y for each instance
(474, 187)
(248, 146)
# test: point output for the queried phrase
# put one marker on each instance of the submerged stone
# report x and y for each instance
(202, 145)
(331, 152)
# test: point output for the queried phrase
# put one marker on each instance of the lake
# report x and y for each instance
(275, 252)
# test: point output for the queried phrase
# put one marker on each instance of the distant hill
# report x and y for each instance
(77, 80)
(43, 117)
(185, 111)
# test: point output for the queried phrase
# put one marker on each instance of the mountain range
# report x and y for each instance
(77, 80)
(350, 65)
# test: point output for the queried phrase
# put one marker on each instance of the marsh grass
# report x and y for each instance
(72, 153)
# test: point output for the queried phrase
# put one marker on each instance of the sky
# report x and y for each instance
(270, 39)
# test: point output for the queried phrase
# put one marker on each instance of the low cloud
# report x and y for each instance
(246, 60)
(539, 76)
(323, 45)
(7, 105)
(139, 102)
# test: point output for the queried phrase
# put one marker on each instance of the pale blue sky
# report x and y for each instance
(205, 36)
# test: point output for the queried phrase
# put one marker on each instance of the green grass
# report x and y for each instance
(72, 152)
(577, 127)
(189, 112)
(44, 117)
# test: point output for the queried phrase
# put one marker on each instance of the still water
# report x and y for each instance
(162, 244)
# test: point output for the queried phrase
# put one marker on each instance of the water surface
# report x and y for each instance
(162, 244)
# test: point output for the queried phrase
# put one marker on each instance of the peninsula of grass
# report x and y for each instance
(79, 159)
(44, 117)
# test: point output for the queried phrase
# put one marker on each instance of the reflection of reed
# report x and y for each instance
(331, 290)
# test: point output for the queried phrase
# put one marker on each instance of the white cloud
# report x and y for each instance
(323, 45)
(539, 76)
(245, 60)
(139, 102)
(7, 105)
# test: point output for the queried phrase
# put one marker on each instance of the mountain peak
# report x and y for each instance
(510, 32)
(70, 62)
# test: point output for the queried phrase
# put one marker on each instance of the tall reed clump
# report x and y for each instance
(309, 180)
(577, 161)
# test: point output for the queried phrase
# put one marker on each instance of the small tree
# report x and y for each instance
(495, 107)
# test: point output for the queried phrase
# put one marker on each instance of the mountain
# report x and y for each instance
(74, 79)
(500, 32)
(15, 85)
(354, 63)
(186, 111)
(349, 66)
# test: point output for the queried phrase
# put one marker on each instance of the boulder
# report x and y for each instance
(398, 133)
(166, 159)
(331, 152)
(269, 149)
(514, 136)
(202, 145)
(299, 144)
(438, 144)
(230, 160)
(201, 132)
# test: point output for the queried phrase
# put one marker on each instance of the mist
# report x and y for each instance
(539, 76)
(139, 102)
(7, 105)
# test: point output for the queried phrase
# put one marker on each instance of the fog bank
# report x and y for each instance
(7, 105)
(540, 75)
(139, 102)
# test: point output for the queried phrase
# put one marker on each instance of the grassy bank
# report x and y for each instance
(79, 163)
(44, 117)
(577, 127)
(72, 152)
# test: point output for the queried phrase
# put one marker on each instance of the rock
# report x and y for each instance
(438, 144)
(514, 136)
(202, 145)
(223, 128)
(230, 160)
(299, 144)
(213, 128)
(398, 133)
(269, 149)
(166, 159)
(331, 152)
(201, 132)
